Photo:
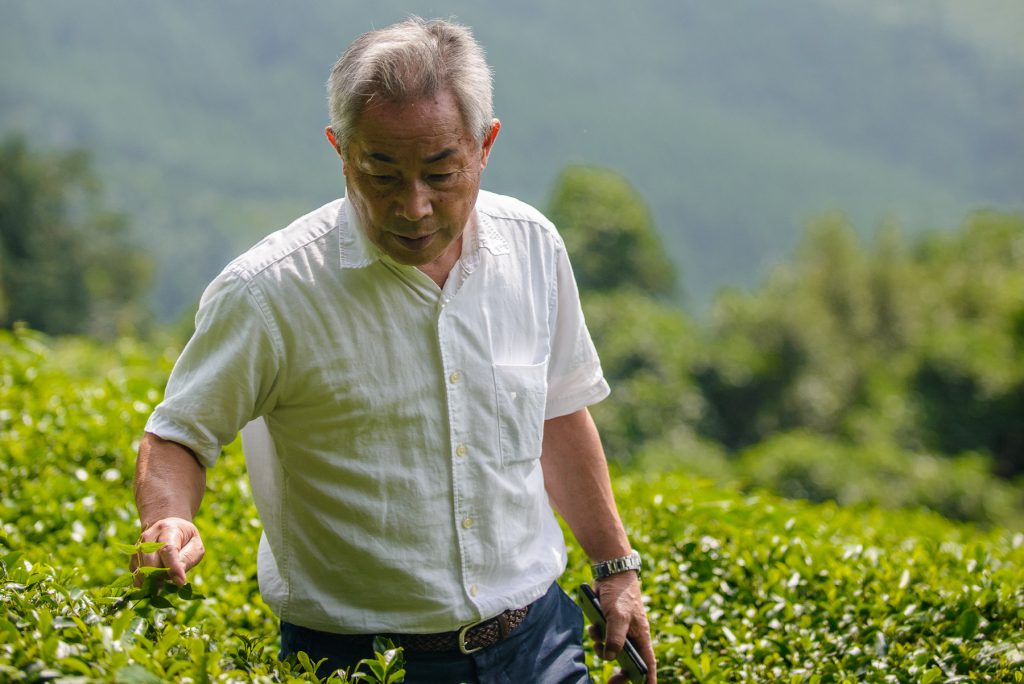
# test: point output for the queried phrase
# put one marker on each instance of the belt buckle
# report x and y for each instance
(462, 637)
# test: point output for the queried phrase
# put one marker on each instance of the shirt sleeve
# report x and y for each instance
(226, 375)
(575, 378)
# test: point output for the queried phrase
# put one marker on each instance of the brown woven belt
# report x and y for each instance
(470, 638)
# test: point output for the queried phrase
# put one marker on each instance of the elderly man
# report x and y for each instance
(414, 371)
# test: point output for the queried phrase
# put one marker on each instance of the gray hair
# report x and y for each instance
(406, 61)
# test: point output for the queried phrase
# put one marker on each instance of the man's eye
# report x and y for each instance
(381, 179)
(440, 177)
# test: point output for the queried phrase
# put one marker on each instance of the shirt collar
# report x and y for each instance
(356, 250)
(488, 236)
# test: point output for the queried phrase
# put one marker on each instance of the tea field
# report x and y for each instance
(741, 587)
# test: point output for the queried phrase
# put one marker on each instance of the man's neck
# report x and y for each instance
(439, 268)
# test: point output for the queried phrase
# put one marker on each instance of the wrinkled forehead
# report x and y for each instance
(424, 130)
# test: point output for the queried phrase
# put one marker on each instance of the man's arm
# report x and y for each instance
(576, 478)
(169, 484)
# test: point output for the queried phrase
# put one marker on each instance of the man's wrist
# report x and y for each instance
(614, 566)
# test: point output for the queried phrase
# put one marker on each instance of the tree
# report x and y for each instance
(66, 261)
(609, 233)
(915, 345)
(646, 349)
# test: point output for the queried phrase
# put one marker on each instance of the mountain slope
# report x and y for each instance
(738, 122)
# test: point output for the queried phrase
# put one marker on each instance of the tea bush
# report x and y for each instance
(740, 587)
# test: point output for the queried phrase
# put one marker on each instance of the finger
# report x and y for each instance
(170, 557)
(615, 636)
(641, 638)
(191, 553)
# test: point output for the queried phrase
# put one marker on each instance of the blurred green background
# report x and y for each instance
(797, 225)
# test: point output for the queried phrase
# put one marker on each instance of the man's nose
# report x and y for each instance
(415, 201)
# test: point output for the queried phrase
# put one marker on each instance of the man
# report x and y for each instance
(413, 368)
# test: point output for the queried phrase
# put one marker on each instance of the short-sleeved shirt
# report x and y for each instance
(395, 461)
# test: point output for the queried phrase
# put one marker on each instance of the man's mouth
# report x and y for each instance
(414, 243)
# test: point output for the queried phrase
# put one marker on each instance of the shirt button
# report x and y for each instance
(461, 450)
(473, 591)
(455, 377)
(467, 522)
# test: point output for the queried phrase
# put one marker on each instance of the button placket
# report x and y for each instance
(455, 390)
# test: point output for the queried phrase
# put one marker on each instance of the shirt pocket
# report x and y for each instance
(521, 394)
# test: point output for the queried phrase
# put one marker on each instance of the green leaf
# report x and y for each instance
(307, 664)
(967, 624)
(126, 579)
(8, 626)
(377, 669)
(159, 602)
(148, 570)
(135, 674)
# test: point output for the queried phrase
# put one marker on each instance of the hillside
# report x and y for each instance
(737, 122)
(741, 587)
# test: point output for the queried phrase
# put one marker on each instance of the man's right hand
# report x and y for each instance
(182, 549)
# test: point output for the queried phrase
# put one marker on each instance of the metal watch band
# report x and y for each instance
(616, 565)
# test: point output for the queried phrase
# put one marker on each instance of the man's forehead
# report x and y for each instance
(429, 129)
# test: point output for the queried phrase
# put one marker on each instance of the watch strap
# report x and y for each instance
(616, 565)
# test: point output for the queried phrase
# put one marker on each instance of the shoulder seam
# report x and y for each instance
(248, 272)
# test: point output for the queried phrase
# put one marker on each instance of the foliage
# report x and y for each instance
(66, 264)
(889, 374)
(740, 587)
(916, 345)
(609, 233)
(752, 588)
(817, 468)
(647, 349)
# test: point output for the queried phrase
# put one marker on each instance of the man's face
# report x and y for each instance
(412, 171)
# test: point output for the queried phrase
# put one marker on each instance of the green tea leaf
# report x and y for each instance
(159, 602)
(126, 579)
(149, 570)
(967, 624)
(135, 674)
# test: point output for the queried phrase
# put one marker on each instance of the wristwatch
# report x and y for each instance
(616, 565)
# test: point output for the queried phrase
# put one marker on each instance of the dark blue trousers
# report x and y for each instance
(547, 648)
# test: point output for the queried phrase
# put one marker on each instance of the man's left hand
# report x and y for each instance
(624, 610)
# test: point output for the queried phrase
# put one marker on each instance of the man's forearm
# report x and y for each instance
(169, 481)
(576, 479)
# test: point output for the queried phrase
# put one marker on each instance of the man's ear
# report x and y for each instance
(334, 141)
(489, 139)
(337, 148)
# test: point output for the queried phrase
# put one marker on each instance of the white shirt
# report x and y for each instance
(396, 467)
